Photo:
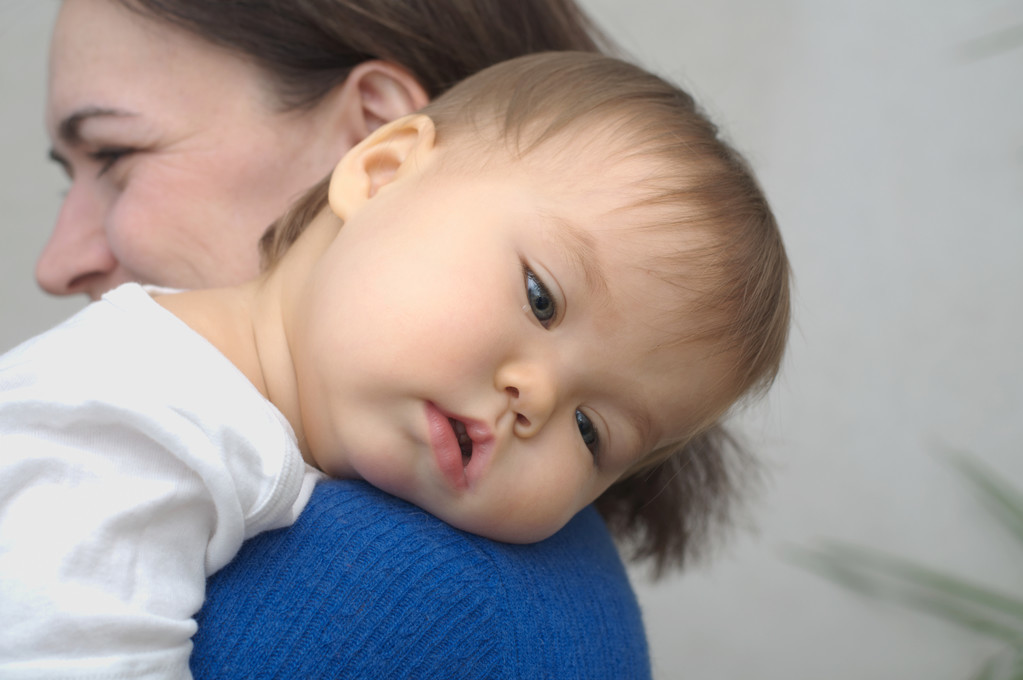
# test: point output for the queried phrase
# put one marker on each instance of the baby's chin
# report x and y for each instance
(519, 520)
(507, 528)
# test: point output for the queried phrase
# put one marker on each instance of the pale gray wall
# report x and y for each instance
(30, 186)
(891, 144)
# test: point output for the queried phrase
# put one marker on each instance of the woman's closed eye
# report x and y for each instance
(541, 302)
(108, 156)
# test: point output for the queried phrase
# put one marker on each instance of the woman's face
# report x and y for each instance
(177, 160)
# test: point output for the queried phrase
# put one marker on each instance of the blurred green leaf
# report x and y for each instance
(973, 606)
(994, 44)
(1005, 666)
(1000, 498)
(956, 600)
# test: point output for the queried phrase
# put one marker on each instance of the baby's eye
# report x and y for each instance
(540, 301)
(587, 431)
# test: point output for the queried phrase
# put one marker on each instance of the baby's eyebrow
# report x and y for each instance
(581, 246)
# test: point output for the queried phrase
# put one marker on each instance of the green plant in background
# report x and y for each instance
(973, 606)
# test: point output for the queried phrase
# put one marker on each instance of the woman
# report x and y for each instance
(185, 128)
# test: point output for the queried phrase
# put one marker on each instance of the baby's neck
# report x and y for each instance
(244, 322)
(249, 323)
(224, 316)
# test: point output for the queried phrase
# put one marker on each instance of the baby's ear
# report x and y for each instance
(394, 150)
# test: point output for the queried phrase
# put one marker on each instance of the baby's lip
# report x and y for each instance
(482, 449)
(444, 446)
(478, 431)
(482, 437)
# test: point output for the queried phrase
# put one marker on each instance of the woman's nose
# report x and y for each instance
(77, 258)
(532, 394)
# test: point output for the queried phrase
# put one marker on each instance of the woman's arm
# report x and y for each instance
(365, 585)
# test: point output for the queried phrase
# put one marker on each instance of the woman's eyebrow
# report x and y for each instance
(70, 129)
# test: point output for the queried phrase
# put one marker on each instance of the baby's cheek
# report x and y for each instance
(546, 504)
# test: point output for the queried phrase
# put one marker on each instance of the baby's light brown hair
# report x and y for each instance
(733, 285)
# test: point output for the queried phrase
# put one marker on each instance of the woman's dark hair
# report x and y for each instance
(307, 47)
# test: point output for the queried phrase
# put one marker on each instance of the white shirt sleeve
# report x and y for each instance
(117, 499)
(102, 552)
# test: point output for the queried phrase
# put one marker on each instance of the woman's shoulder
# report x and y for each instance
(366, 584)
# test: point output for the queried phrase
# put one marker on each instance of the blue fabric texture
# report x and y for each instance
(367, 586)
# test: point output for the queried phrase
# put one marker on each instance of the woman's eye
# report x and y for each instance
(62, 162)
(587, 431)
(107, 157)
(540, 301)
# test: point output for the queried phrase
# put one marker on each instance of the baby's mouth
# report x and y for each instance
(464, 440)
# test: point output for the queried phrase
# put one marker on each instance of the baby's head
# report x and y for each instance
(552, 280)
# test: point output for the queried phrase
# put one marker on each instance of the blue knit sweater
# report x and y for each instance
(368, 586)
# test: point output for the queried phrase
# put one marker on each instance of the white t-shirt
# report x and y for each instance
(134, 460)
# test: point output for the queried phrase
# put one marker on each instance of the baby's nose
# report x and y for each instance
(532, 395)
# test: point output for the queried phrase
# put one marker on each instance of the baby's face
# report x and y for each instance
(487, 348)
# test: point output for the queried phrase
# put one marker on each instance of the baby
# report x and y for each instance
(537, 293)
